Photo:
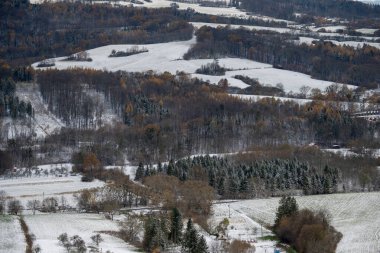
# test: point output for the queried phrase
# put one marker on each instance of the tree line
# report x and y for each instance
(350, 10)
(321, 60)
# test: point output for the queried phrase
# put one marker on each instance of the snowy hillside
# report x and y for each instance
(44, 122)
(168, 57)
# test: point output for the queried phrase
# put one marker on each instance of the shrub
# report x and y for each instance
(308, 232)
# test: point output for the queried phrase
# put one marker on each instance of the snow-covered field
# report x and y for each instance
(368, 31)
(12, 239)
(39, 187)
(355, 215)
(47, 227)
(242, 227)
(369, 1)
(163, 57)
(254, 98)
(249, 27)
(355, 44)
(329, 28)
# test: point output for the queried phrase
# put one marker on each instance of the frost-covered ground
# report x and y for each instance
(241, 227)
(334, 28)
(250, 27)
(163, 57)
(39, 187)
(355, 44)
(12, 239)
(254, 98)
(355, 215)
(368, 31)
(47, 227)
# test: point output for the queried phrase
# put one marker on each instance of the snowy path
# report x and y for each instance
(12, 239)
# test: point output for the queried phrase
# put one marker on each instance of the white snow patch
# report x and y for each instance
(367, 31)
(328, 28)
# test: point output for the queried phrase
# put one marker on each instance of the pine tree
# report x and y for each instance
(159, 167)
(190, 240)
(201, 246)
(170, 170)
(176, 226)
(139, 172)
(155, 234)
(288, 206)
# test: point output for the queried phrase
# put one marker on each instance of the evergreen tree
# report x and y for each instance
(170, 170)
(155, 234)
(159, 167)
(190, 240)
(201, 246)
(288, 206)
(139, 172)
(176, 226)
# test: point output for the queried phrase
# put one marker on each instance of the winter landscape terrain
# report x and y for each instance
(147, 123)
(168, 57)
(356, 215)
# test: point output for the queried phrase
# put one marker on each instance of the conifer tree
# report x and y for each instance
(170, 170)
(201, 245)
(176, 226)
(288, 206)
(139, 172)
(190, 240)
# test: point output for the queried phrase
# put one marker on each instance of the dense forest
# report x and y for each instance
(57, 29)
(160, 123)
(31, 32)
(312, 8)
(262, 178)
(321, 60)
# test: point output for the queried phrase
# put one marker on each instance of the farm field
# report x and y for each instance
(168, 57)
(47, 227)
(39, 187)
(355, 44)
(355, 215)
(11, 236)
